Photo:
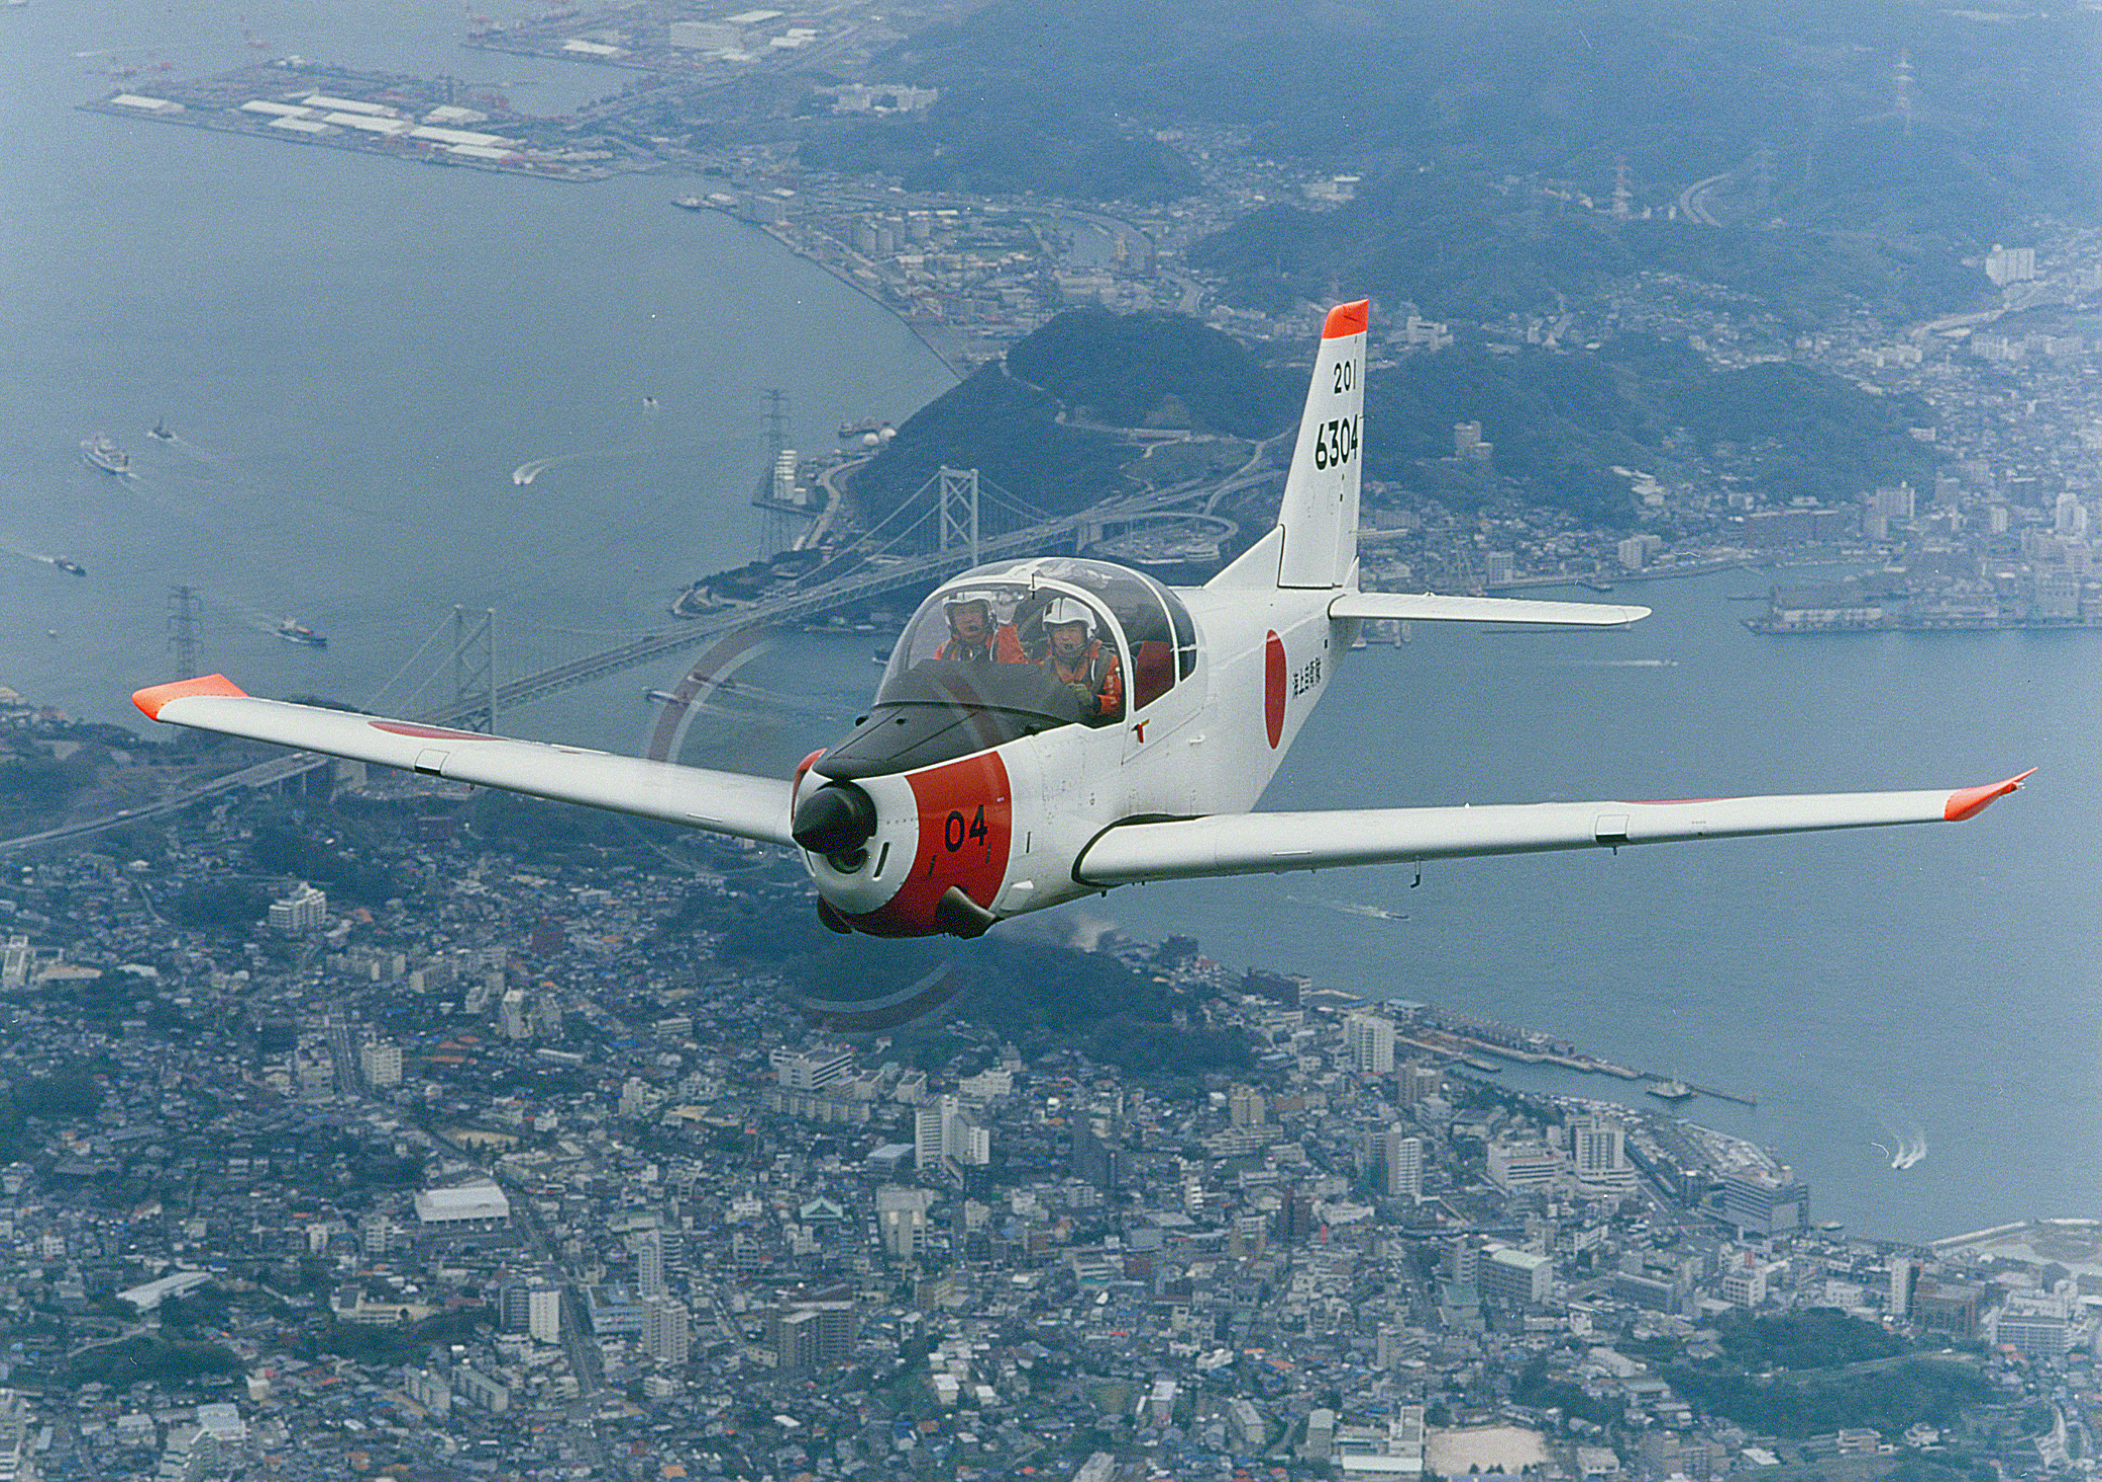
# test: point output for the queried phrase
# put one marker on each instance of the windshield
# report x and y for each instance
(984, 662)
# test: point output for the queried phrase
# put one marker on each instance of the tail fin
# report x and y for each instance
(1317, 522)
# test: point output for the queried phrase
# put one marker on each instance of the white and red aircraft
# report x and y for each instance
(989, 779)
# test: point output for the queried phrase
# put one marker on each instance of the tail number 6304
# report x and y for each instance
(1335, 442)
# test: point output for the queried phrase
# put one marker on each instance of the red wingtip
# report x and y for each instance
(1347, 319)
(151, 700)
(1967, 801)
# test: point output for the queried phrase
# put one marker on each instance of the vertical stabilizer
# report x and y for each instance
(1319, 514)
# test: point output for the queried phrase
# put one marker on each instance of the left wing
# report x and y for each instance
(721, 802)
(1269, 843)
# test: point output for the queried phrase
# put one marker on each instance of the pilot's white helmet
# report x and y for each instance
(965, 597)
(1064, 610)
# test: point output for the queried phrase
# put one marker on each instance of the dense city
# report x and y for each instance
(351, 1129)
(526, 1169)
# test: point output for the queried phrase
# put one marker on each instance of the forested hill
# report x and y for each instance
(1854, 154)
(1043, 423)
(1037, 423)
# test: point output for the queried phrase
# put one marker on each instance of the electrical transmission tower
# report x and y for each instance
(184, 610)
(780, 515)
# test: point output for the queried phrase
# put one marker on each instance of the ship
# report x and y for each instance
(1669, 1090)
(294, 631)
(159, 431)
(688, 203)
(102, 452)
(67, 563)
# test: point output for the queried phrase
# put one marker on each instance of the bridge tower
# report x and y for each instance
(474, 667)
(959, 509)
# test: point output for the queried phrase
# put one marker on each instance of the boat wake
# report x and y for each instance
(525, 473)
(1624, 663)
(1350, 908)
(1908, 1144)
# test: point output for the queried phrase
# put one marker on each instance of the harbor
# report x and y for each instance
(434, 121)
(1478, 1044)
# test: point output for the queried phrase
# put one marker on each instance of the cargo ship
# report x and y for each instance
(294, 631)
(102, 452)
(1669, 1090)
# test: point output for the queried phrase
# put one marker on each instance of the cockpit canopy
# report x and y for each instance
(1007, 651)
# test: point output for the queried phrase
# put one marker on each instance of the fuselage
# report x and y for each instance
(1003, 821)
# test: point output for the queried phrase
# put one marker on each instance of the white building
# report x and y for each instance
(305, 910)
(665, 1330)
(1370, 1040)
(380, 1063)
(544, 1314)
(813, 1069)
(944, 1133)
(1403, 1160)
(1598, 1151)
(474, 1206)
(649, 1265)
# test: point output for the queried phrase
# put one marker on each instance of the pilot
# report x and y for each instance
(974, 638)
(1082, 662)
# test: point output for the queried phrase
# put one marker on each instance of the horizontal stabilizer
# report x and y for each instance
(1270, 843)
(721, 802)
(1428, 607)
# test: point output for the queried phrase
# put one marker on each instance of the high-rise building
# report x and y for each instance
(943, 1135)
(511, 1014)
(813, 1328)
(665, 1330)
(1247, 1107)
(649, 1265)
(380, 1063)
(1598, 1151)
(1900, 1300)
(901, 1221)
(1403, 1163)
(1370, 1041)
(544, 1314)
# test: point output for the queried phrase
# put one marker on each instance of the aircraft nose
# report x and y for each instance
(836, 819)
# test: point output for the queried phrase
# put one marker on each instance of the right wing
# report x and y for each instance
(1271, 843)
(721, 802)
(1429, 607)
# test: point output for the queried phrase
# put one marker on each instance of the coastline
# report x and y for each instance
(952, 357)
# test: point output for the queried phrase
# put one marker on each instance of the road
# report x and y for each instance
(1693, 200)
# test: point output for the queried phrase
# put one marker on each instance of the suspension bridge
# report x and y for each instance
(957, 520)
